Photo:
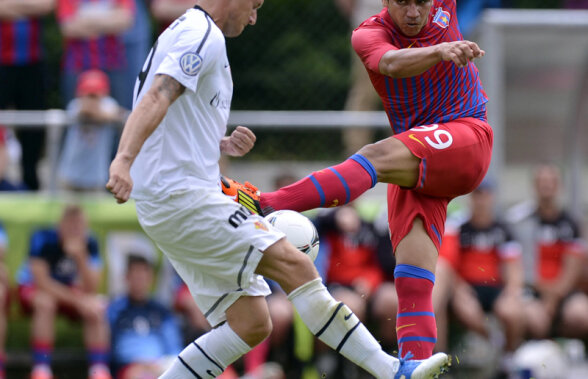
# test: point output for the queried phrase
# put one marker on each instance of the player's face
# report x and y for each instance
(482, 203)
(240, 14)
(139, 281)
(547, 182)
(410, 16)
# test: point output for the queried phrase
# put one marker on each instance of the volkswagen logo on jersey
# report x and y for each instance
(442, 18)
(191, 64)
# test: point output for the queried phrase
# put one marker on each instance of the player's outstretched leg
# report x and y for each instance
(333, 186)
(334, 324)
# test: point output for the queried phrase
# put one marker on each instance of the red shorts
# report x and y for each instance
(26, 295)
(455, 157)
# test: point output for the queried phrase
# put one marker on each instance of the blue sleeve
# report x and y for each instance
(3, 237)
(95, 260)
(323, 257)
(172, 338)
(38, 240)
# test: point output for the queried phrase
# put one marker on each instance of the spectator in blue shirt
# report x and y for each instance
(62, 276)
(145, 334)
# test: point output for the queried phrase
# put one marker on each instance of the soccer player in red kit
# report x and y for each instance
(422, 69)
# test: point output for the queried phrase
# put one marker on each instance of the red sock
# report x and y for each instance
(415, 323)
(256, 357)
(326, 188)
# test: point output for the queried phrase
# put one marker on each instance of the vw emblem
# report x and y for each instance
(191, 63)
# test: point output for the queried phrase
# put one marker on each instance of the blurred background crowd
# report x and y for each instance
(84, 293)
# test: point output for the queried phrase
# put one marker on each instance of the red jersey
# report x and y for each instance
(555, 240)
(104, 52)
(351, 256)
(441, 94)
(20, 42)
(477, 253)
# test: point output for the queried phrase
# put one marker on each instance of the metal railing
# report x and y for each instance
(56, 120)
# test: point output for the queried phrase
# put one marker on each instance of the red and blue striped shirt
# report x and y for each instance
(20, 42)
(443, 93)
(104, 52)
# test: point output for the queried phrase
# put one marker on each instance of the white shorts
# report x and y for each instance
(213, 243)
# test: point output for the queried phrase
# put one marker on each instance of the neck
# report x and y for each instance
(480, 220)
(214, 8)
(548, 210)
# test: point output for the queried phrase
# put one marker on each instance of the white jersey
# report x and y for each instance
(184, 150)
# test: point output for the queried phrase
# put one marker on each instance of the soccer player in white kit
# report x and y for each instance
(167, 161)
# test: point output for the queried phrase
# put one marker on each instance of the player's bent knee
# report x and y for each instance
(393, 162)
(255, 331)
(249, 317)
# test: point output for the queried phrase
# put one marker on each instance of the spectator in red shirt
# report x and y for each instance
(553, 254)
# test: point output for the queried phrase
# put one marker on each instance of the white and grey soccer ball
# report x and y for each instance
(299, 230)
(541, 359)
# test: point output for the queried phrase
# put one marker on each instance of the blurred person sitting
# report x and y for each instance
(145, 333)
(92, 33)
(4, 299)
(89, 141)
(480, 267)
(354, 275)
(553, 254)
(23, 73)
(61, 277)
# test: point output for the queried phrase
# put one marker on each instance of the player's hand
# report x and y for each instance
(120, 183)
(460, 52)
(239, 143)
(75, 247)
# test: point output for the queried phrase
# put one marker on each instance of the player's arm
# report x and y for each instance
(510, 253)
(11, 9)
(569, 277)
(409, 62)
(89, 276)
(141, 123)
(513, 276)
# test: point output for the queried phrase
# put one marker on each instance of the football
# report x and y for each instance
(299, 230)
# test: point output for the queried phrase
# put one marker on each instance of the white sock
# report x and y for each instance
(334, 324)
(208, 356)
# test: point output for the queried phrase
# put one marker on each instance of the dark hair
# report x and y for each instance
(134, 258)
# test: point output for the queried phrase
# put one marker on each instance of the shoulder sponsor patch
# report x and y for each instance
(442, 18)
(191, 63)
